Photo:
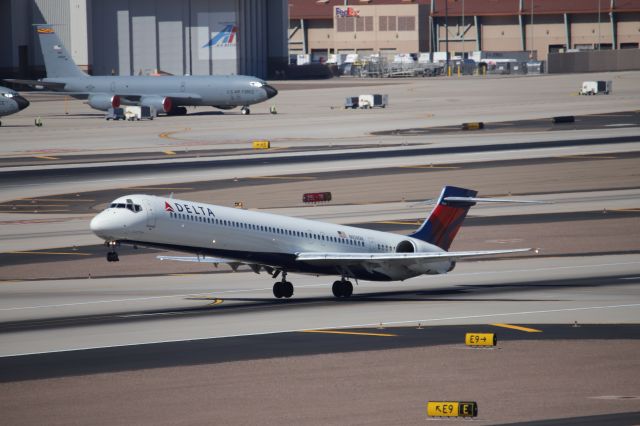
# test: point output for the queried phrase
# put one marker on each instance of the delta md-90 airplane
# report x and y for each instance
(282, 244)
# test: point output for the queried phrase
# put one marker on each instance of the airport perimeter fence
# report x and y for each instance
(382, 68)
(594, 61)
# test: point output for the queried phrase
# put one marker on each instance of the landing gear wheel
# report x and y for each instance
(337, 288)
(347, 289)
(112, 256)
(288, 289)
(277, 290)
(245, 111)
(342, 288)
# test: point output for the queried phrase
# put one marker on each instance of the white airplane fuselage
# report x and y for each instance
(257, 238)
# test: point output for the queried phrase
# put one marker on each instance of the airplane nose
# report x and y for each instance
(22, 102)
(97, 224)
(105, 226)
(271, 91)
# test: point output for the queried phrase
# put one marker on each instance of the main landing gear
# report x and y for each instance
(283, 288)
(245, 110)
(112, 256)
(342, 288)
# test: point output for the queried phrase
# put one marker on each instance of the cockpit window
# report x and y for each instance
(129, 206)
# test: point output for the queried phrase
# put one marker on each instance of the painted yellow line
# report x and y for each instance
(168, 152)
(633, 210)
(283, 177)
(169, 135)
(216, 302)
(71, 253)
(353, 333)
(517, 327)
(610, 115)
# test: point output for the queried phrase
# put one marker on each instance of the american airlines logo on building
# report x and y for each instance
(188, 208)
(225, 38)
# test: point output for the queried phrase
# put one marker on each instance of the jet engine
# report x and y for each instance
(159, 103)
(103, 101)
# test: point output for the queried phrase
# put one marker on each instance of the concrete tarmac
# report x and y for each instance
(282, 374)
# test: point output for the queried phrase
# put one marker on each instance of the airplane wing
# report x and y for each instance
(395, 258)
(175, 97)
(37, 84)
(234, 264)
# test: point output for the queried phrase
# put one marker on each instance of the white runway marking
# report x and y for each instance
(328, 327)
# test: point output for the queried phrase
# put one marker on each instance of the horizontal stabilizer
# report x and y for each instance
(491, 200)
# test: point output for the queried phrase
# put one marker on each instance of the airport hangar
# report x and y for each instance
(324, 27)
(127, 37)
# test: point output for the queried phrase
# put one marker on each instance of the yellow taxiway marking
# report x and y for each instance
(169, 152)
(71, 253)
(46, 157)
(633, 210)
(588, 157)
(609, 115)
(283, 177)
(517, 327)
(399, 222)
(216, 302)
(429, 167)
(354, 333)
(169, 135)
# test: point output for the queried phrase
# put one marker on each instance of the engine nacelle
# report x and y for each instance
(103, 102)
(159, 103)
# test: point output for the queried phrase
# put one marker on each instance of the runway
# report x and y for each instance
(144, 341)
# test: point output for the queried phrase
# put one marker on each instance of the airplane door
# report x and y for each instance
(151, 216)
(182, 86)
(113, 87)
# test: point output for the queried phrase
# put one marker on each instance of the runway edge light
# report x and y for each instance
(452, 409)
(481, 339)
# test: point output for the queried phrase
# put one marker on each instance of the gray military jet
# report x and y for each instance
(165, 94)
(11, 102)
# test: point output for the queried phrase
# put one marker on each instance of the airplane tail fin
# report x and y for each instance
(442, 225)
(57, 59)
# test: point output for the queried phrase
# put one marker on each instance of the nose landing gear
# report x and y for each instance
(245, 110)
(112, 256)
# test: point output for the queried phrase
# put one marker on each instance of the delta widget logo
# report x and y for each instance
(225, 38)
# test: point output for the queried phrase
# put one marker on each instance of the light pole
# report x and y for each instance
(598, 24)
(531, 54)
(446, 29)
(464, 29)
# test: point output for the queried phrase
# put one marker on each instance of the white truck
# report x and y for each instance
(373, 101)
(133, 113)
(595, 87)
